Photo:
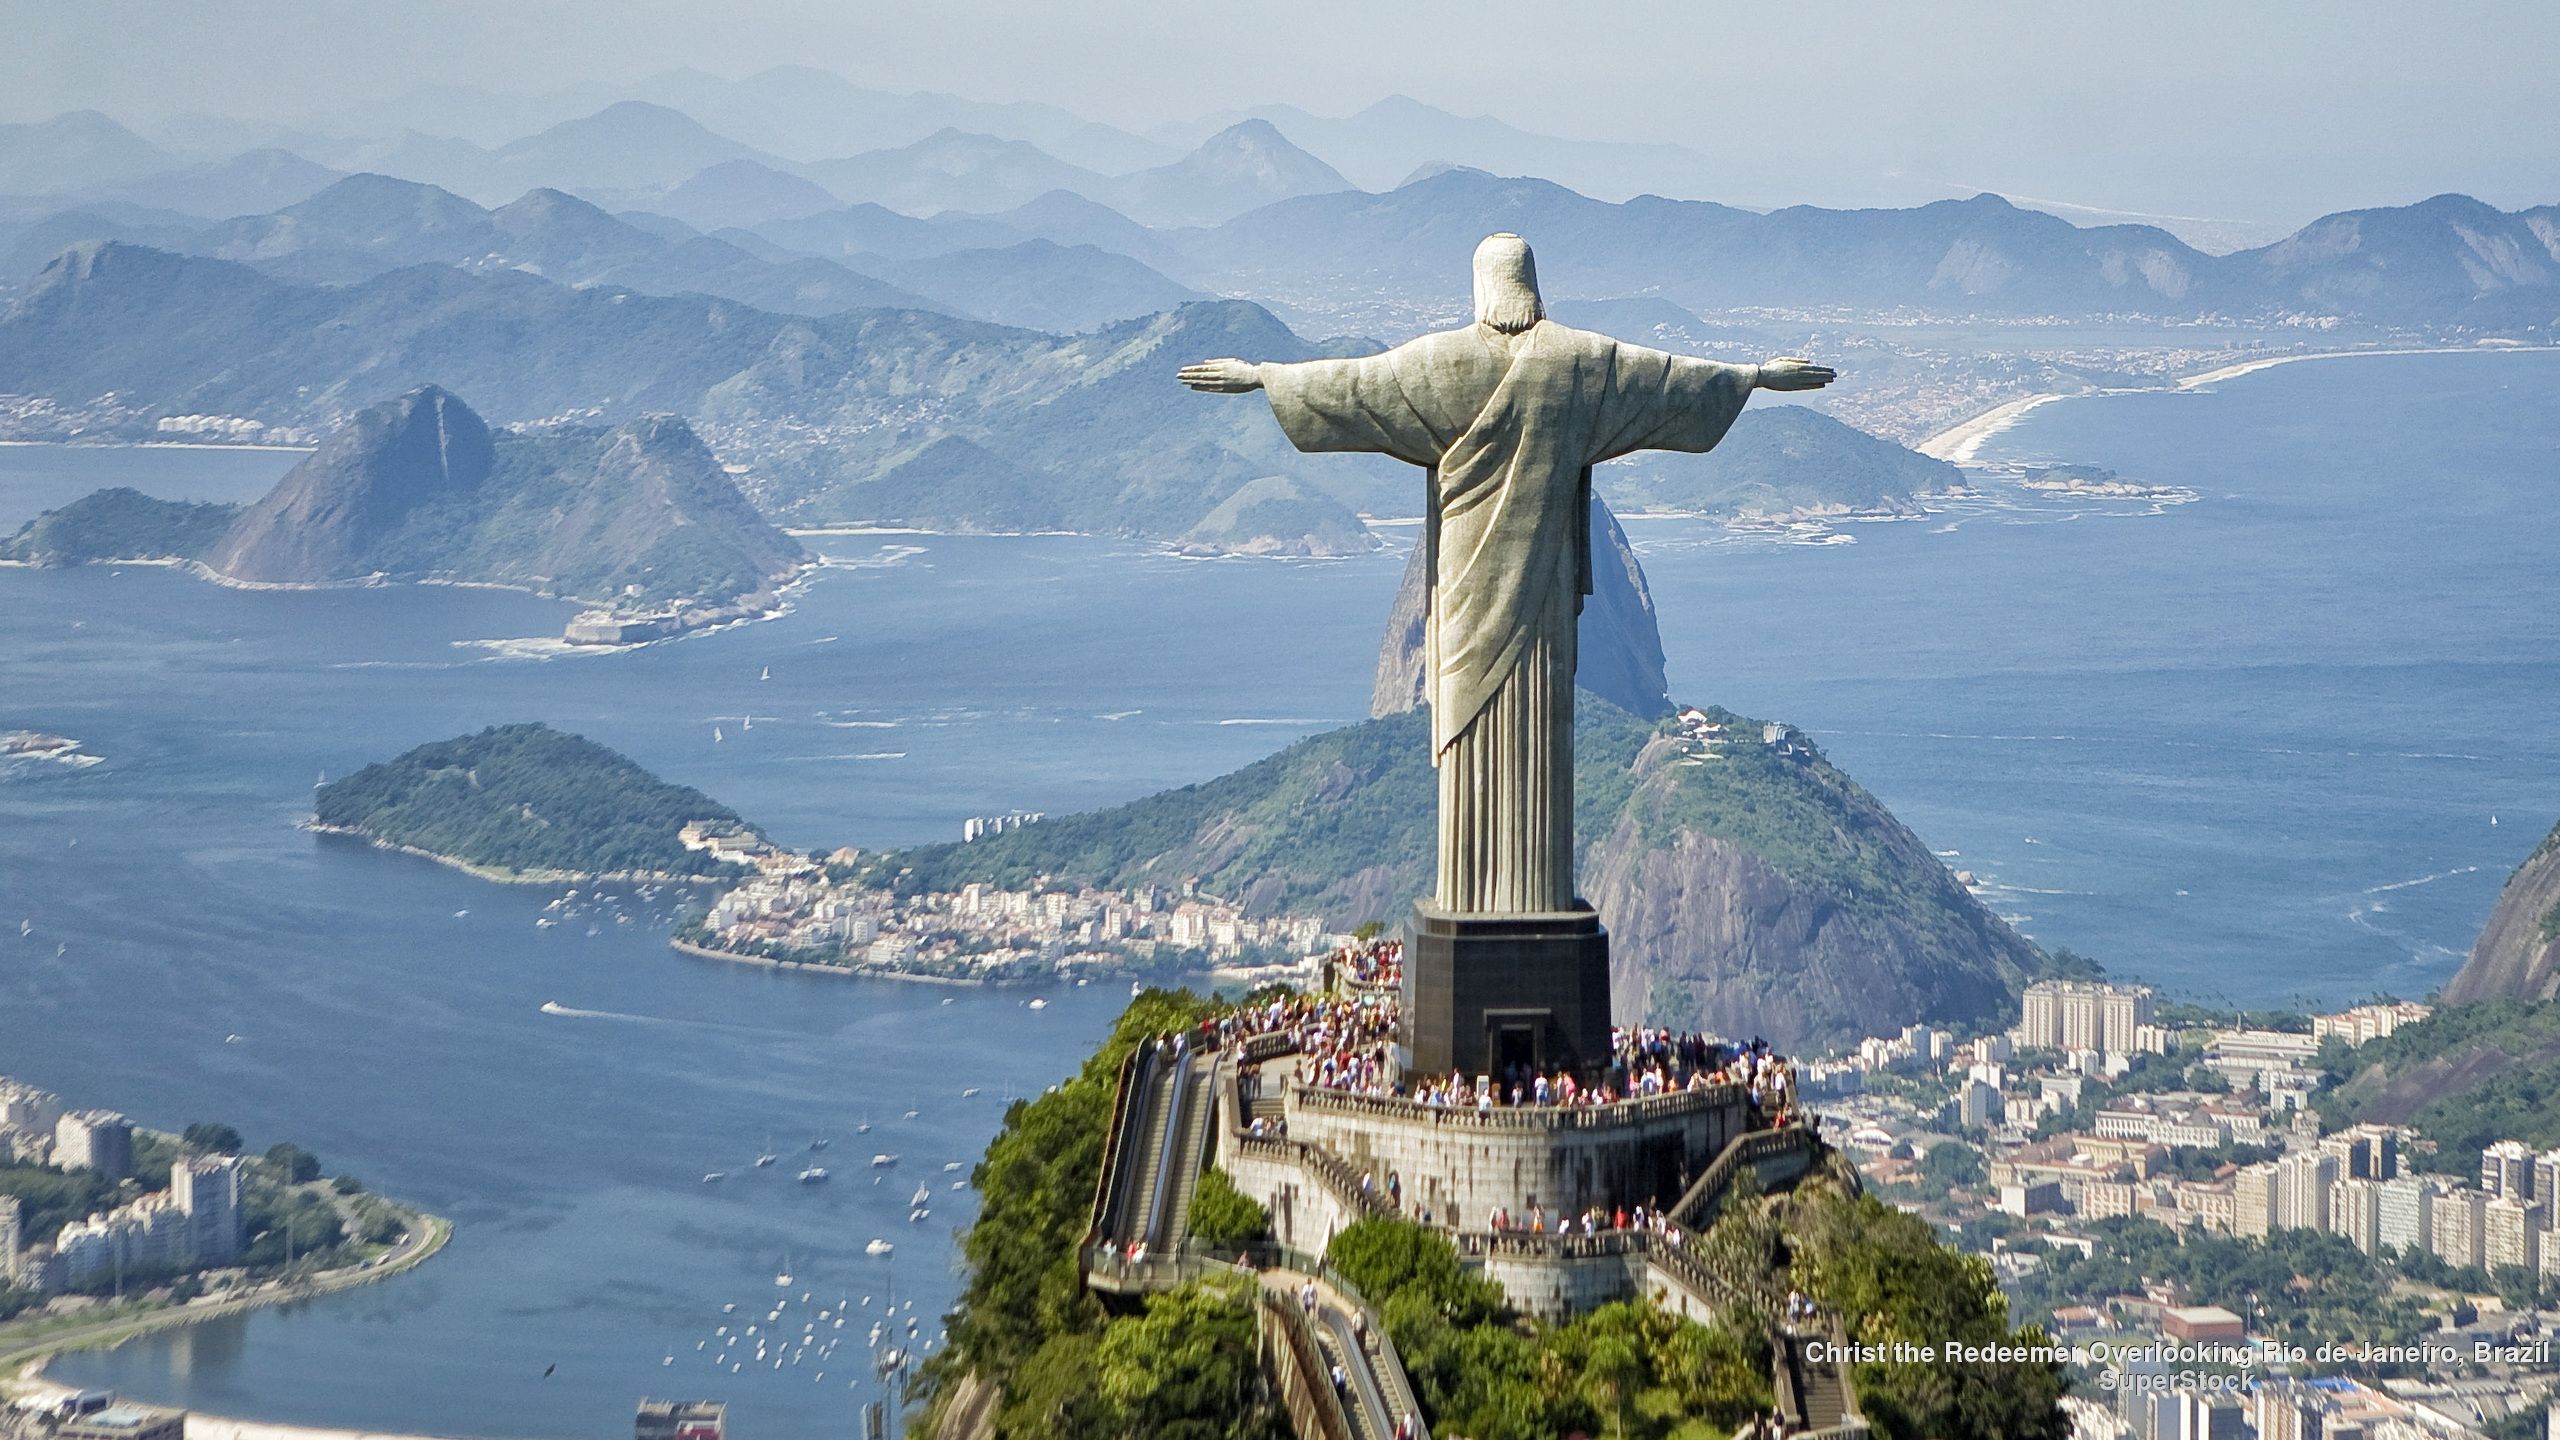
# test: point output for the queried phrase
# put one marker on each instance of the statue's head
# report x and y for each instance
(1507, 284)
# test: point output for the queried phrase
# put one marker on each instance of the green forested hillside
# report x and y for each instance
(120, 524)
(1338, 820)
(2466, 1076)
(524, 799)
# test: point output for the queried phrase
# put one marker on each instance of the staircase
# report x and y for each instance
(1815, 1398)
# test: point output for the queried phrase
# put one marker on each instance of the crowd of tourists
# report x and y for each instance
(1342, 1042)
(1650, 1220)
(1376, 961)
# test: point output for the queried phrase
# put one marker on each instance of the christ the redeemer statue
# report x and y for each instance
(1506, 416)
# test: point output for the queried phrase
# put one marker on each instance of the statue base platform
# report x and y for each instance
(1483, 992)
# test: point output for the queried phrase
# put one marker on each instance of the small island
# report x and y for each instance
(530, 804)
(2090, 482)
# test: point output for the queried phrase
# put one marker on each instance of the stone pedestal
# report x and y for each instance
(1483, 991)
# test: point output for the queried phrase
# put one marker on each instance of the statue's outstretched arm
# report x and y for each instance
(1788, 372)
(1222, 377)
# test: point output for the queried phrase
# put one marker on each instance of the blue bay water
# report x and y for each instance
(2247, 748)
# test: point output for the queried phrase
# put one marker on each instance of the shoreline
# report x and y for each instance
(156, 445)
(30, 1381)
(1960, 442)
(22, 1367)
(497, 876)
(850, 972)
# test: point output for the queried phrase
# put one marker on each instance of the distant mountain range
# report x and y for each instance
(2450, 262)
(1256, 206)
(369, 225)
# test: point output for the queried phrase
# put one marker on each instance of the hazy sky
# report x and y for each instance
(2249, 111)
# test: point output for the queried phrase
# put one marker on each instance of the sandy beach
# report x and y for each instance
(1959, 443)
(32, 1384)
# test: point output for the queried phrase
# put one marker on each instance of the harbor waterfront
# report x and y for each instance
(2301, 806)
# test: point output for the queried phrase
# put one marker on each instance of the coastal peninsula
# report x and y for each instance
(637, 519)
(109, 1230)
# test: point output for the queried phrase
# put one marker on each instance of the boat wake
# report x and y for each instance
(2422, 880)
(572, 1012)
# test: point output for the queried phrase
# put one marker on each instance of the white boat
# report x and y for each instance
(716, 736)
(918, 1215)
(1039, 1004)
(746, 722)
(714, 1177)
(910, 1115)
(781, 1279)
(1137, 987)
(954, 1165)
(969, 1094)
(883, 1162)
(878, 1247)
(768, 673)
(818, 1142)
(814, 1175)
(923, 1193)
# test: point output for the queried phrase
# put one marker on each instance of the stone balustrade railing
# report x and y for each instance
(1396, 1109)
(1697, 1205)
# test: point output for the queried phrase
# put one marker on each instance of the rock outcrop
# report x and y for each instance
(1756, 890)
(2518, 953)
(327, 518)
(1619, 638)
(419, 489)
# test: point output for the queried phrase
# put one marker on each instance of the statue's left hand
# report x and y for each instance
(1789, 372)
(1222, 377)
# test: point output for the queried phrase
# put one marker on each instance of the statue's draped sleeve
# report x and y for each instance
(1356, 404)
(1659, 401)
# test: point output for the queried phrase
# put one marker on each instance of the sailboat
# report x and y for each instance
(746, 722)
(766, 1156)
(922, 1195)
(768, 673)
(782, 1277)
(716, 736)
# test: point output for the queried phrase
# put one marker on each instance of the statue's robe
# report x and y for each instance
(1508, 427)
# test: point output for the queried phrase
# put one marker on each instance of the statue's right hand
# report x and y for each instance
(1222, 377)
(1789, 372)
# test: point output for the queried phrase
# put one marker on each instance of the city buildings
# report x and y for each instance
(13, 1237)
(2368, 1022)
(799, 911)
(681, 1420)
(194, 1225)
(977, 827)
(2084, 1015)
(2511, 1234)
(2404, 1215)
(125, 1422)
(99, 1140)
